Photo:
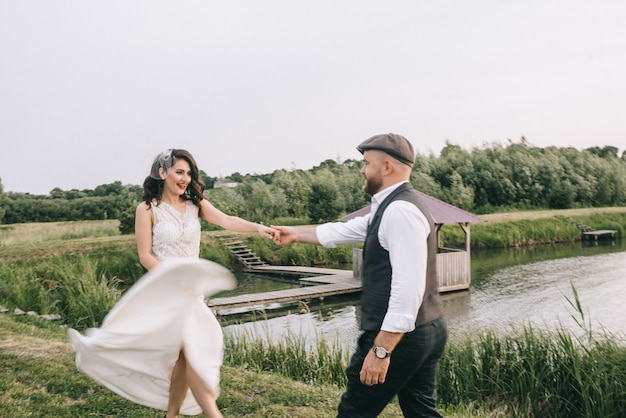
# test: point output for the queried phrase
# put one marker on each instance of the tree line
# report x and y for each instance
(491, 178)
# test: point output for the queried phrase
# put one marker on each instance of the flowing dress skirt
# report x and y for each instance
(135, 350)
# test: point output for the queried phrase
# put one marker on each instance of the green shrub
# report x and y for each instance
(86, 294)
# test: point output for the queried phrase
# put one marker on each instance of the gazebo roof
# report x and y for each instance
(442, 212)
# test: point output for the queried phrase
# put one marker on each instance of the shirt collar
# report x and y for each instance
(378, 198)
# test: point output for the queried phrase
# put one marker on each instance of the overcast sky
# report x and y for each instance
(91, 91)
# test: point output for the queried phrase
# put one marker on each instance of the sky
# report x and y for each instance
(91, 91)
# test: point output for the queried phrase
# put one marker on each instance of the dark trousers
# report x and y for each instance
(412, 375)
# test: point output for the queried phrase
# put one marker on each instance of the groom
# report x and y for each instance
(403, 330)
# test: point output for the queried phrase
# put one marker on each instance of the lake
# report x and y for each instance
(510, 288)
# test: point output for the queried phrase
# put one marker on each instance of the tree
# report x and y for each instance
(208, 181)
(495, 176)
(228, 200)
(111, 189)
(453, 159)
(328, 164)
(459, 194)
(349, 182)
(604, 152)
(562, 195)
(236, 177)
(492, 184)
(421, 178)
(2, 202)
(295, 186)
(127, 221)
(265, 203)
(325, 202)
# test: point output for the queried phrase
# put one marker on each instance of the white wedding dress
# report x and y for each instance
(134, 351)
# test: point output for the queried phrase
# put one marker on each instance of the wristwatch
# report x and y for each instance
(380, 352)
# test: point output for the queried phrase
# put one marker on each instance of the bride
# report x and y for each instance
(161, 346)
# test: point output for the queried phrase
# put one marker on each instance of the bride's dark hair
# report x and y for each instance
(153, 188)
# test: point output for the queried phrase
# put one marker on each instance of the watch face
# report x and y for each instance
(380, 352)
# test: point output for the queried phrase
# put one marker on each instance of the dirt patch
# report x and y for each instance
(26, 346)
(23, 345)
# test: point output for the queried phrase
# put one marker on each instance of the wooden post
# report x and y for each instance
(357, 261)
(466, 228)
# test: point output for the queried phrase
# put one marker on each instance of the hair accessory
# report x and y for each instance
(164, 161)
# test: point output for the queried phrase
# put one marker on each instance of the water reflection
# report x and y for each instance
(509, 288)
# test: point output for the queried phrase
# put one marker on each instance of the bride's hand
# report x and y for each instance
(270, 233)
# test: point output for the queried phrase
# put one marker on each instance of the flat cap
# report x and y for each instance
(393, 144)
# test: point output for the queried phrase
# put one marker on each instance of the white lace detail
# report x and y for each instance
(175, 234)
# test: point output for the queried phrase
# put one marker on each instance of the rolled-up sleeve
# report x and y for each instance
(338, 233)
(404, 233)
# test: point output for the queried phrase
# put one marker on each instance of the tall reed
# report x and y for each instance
(537, 373)
(75, 287)
(87, 295)
(321, 361)
(21, 287)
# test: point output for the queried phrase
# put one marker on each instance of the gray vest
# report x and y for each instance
(376, 273)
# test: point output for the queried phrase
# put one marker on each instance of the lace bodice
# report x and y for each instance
(175, 234)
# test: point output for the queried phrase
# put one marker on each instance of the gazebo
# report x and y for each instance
(453, 265)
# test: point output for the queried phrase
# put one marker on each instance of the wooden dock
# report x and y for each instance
(589, 232)
(319, 284)
(595, 234)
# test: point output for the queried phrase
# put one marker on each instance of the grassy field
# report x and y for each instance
(519, 229)
(42, 240)
(522, 375)
(540, 214)
(39, 379)
(525, 374)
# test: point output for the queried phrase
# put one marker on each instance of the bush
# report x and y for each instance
(127, 221)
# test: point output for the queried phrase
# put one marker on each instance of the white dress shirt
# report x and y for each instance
(403, 232)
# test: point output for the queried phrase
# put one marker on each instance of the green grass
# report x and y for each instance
(39, 379)
(526, 373)
(36, 232)
(509, 231)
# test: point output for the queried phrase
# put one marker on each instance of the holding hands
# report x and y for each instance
(284, 235)
(290, 234)
(267, 232)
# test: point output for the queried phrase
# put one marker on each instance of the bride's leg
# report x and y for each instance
(203, 395)
(178, 386)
